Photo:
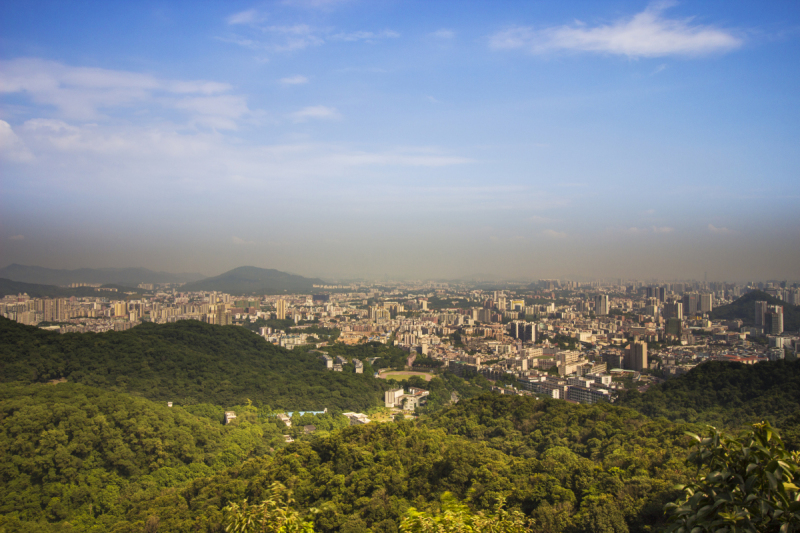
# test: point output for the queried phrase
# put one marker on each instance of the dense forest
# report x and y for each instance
(727, 395)
(186, 362)
(103, 451)
(92, 460)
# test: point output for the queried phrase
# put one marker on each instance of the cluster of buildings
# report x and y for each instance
(578, 341)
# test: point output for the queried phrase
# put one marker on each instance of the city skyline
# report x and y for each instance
(353, 139)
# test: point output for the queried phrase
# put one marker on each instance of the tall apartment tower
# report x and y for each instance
(690, 304)
(760, 311)
(638, 356)
(280, 309)
(706, 303)
(773, 320)
(673, 310)
(601, 304)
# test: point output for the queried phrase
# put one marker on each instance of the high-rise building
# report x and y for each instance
(280, 309)
(673, 310)
(525, 331)
(601, 304)
(638, 356)
(691, 303)
(706, 303)
(673, 326)
(760, 311)
(773, 320)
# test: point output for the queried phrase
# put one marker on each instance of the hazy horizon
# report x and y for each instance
(347, 139)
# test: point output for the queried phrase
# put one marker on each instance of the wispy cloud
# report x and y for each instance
(86, 93)
(634, 230)
(239, 241)
(11, 146)
(553, 234)
(646, 34)
(718, 230)
(294, 80)
(443, 33)
(367, 36)
(315, 4)
(17, 238)
(316, 112)
(250, 16)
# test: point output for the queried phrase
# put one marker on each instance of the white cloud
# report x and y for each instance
(662, 229)
(11, 146)
(718, 231)
(315, 4)
(553, 234)
(239, 241)
(365, 36)
(316, 112)
(87, 93)
(17, 238)
(250, 16)
(646, 34)
(443, 33)
(294, 80)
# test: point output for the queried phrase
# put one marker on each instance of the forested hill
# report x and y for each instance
(186, 362)
(729, 395)
(569, 467)
(254, 280)
(744, 309)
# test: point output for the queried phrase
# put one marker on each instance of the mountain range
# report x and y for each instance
(129, 277)
(243, 280)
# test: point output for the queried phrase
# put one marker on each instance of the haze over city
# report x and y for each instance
(343, 139)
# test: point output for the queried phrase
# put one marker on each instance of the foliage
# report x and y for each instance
(746, 484)
(185, 362)
(455, 517)
(273, 515)
(82, 454)
(726, 394)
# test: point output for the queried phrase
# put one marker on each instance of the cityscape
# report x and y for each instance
(564, 339)
(399, 266)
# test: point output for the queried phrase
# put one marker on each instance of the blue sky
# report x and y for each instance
(403, 139)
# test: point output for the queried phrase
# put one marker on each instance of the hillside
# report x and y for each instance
(75, 453)
(254, 280)
(727, 395)
(570, 467)
(744, 309)
(186, 362)
(119, 276)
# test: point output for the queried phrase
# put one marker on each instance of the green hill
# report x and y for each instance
(727, 395)
(569, 467)
(744, 309)
(253, 280)
(186, 362)
(78, 456)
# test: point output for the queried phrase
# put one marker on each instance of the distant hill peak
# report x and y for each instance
(254, 280)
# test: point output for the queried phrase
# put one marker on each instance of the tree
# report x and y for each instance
(273, 515)
(747, 484)
(456, 517)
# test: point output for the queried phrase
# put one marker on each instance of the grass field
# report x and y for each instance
(403, 375)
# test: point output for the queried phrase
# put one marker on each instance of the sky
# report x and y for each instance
(404, 139)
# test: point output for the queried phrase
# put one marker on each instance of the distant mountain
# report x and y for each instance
(254, 280)
(121, 276)
(744, 309)
(36, 290)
